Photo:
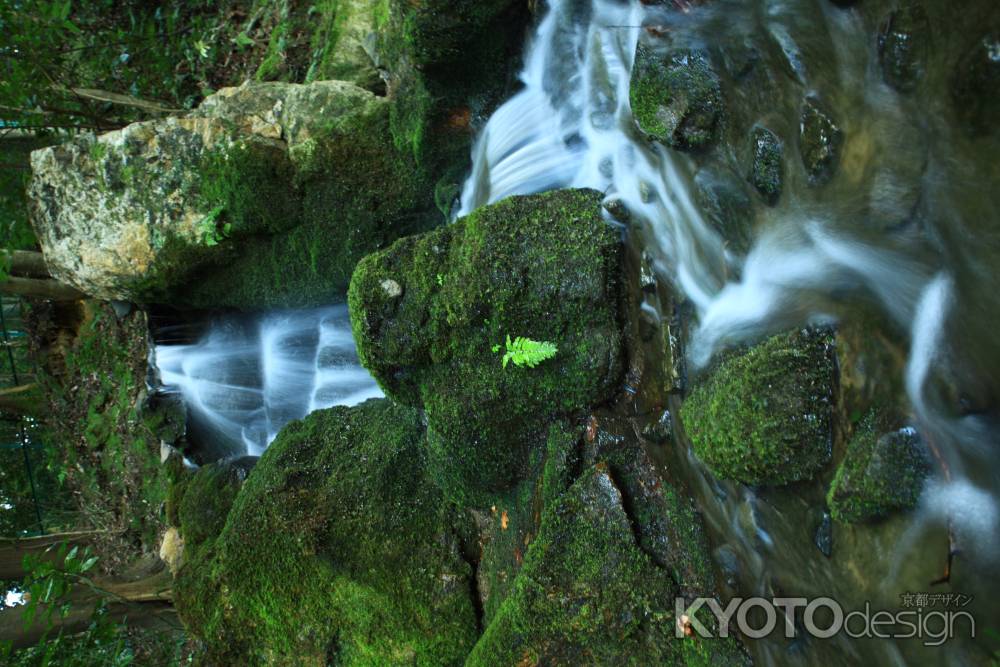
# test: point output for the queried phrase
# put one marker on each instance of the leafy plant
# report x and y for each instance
(526, 352)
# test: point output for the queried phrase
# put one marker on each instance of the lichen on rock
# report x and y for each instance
(266, 195)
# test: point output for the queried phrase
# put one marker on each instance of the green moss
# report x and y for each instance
(543, 267)
(338, 549)
(206, 497)
(676, 97)
(103, 446)
(587, 594)
(879, 475)
(298, 224)
(763, 416)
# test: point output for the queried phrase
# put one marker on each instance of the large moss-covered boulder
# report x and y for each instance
(431, 316)
(338, 549)
(763, 416)
(267, 195)
(880, 474)
(588, 595)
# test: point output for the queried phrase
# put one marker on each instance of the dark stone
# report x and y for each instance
(767, 172)
(676, 98)
(974, 89)
(725, 201)
(661, 430)
(820, 141)
(903, 45)
(824, 535)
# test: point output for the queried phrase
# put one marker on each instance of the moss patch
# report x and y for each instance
(588, 595)
(763, 417)
(337, 549)
(676, 97)
(879, 474)
(428, 312)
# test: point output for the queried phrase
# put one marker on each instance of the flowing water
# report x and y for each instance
(243, 381)
(906, 229)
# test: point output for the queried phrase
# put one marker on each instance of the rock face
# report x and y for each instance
(879, 475)
(266, 195)
(337, 549)
(432, 313)
(587, 595)
(763, 417)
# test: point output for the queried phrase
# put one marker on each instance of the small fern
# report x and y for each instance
(526, 352)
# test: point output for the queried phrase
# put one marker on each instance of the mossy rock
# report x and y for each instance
(588, 595)
(820, 141)
(904, 45)
(342, 190)
(879, 475)
(676, 97)
(431, 315)
(441, 31)
(767, 173)
(338, 549)
(206, 496)
(763, 416)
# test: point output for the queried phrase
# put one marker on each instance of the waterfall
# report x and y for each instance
(242, 383)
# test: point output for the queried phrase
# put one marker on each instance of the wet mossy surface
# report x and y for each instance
(292, 225)
(431, 314)
(880, 474)
(588, 595)
(676, 97)
(767, 172)
(763, 416)
(820, 141)
(338, 549)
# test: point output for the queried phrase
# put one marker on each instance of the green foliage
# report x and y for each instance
(48, 586)
(100, 444)
(526, 352)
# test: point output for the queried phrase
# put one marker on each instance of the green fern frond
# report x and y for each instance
(526, 352)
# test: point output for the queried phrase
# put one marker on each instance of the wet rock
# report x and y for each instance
(763, 416)
(767, 171)
(241, 203)
(879, 475)
(977, 78)
(823, 539)
(903, 45)
(660, 430)
(545, 267)
(676, 97)
(337, 544)
(666, 524)
(820, 141)
(723, 197)
(587, 594)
